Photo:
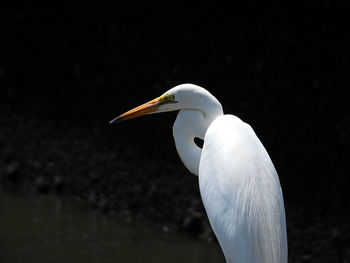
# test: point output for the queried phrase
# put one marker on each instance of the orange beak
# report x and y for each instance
(144, 109)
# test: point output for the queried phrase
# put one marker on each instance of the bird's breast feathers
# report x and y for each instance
(241, 192)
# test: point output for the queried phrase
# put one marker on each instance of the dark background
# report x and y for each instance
(66, 71)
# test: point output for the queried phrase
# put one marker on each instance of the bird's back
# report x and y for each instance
(241, 192)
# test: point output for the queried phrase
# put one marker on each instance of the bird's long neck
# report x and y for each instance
(194, 122)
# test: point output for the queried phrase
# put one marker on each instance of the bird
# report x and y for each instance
(239, 185)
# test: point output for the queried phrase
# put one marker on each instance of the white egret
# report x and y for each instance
(238, 183)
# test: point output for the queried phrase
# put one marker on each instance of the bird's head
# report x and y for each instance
(177, 98)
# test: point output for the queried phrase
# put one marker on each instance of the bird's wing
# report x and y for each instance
(241, 192)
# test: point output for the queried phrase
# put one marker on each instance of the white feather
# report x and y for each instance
(239, 185)
(241, 192)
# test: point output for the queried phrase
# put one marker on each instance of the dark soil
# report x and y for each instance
(39, 157)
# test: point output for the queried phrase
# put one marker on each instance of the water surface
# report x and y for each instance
(47, 229)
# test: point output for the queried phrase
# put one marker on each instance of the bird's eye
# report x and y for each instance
(168, 98)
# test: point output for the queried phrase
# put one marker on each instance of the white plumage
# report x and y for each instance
(239, 185)
(241, 193)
